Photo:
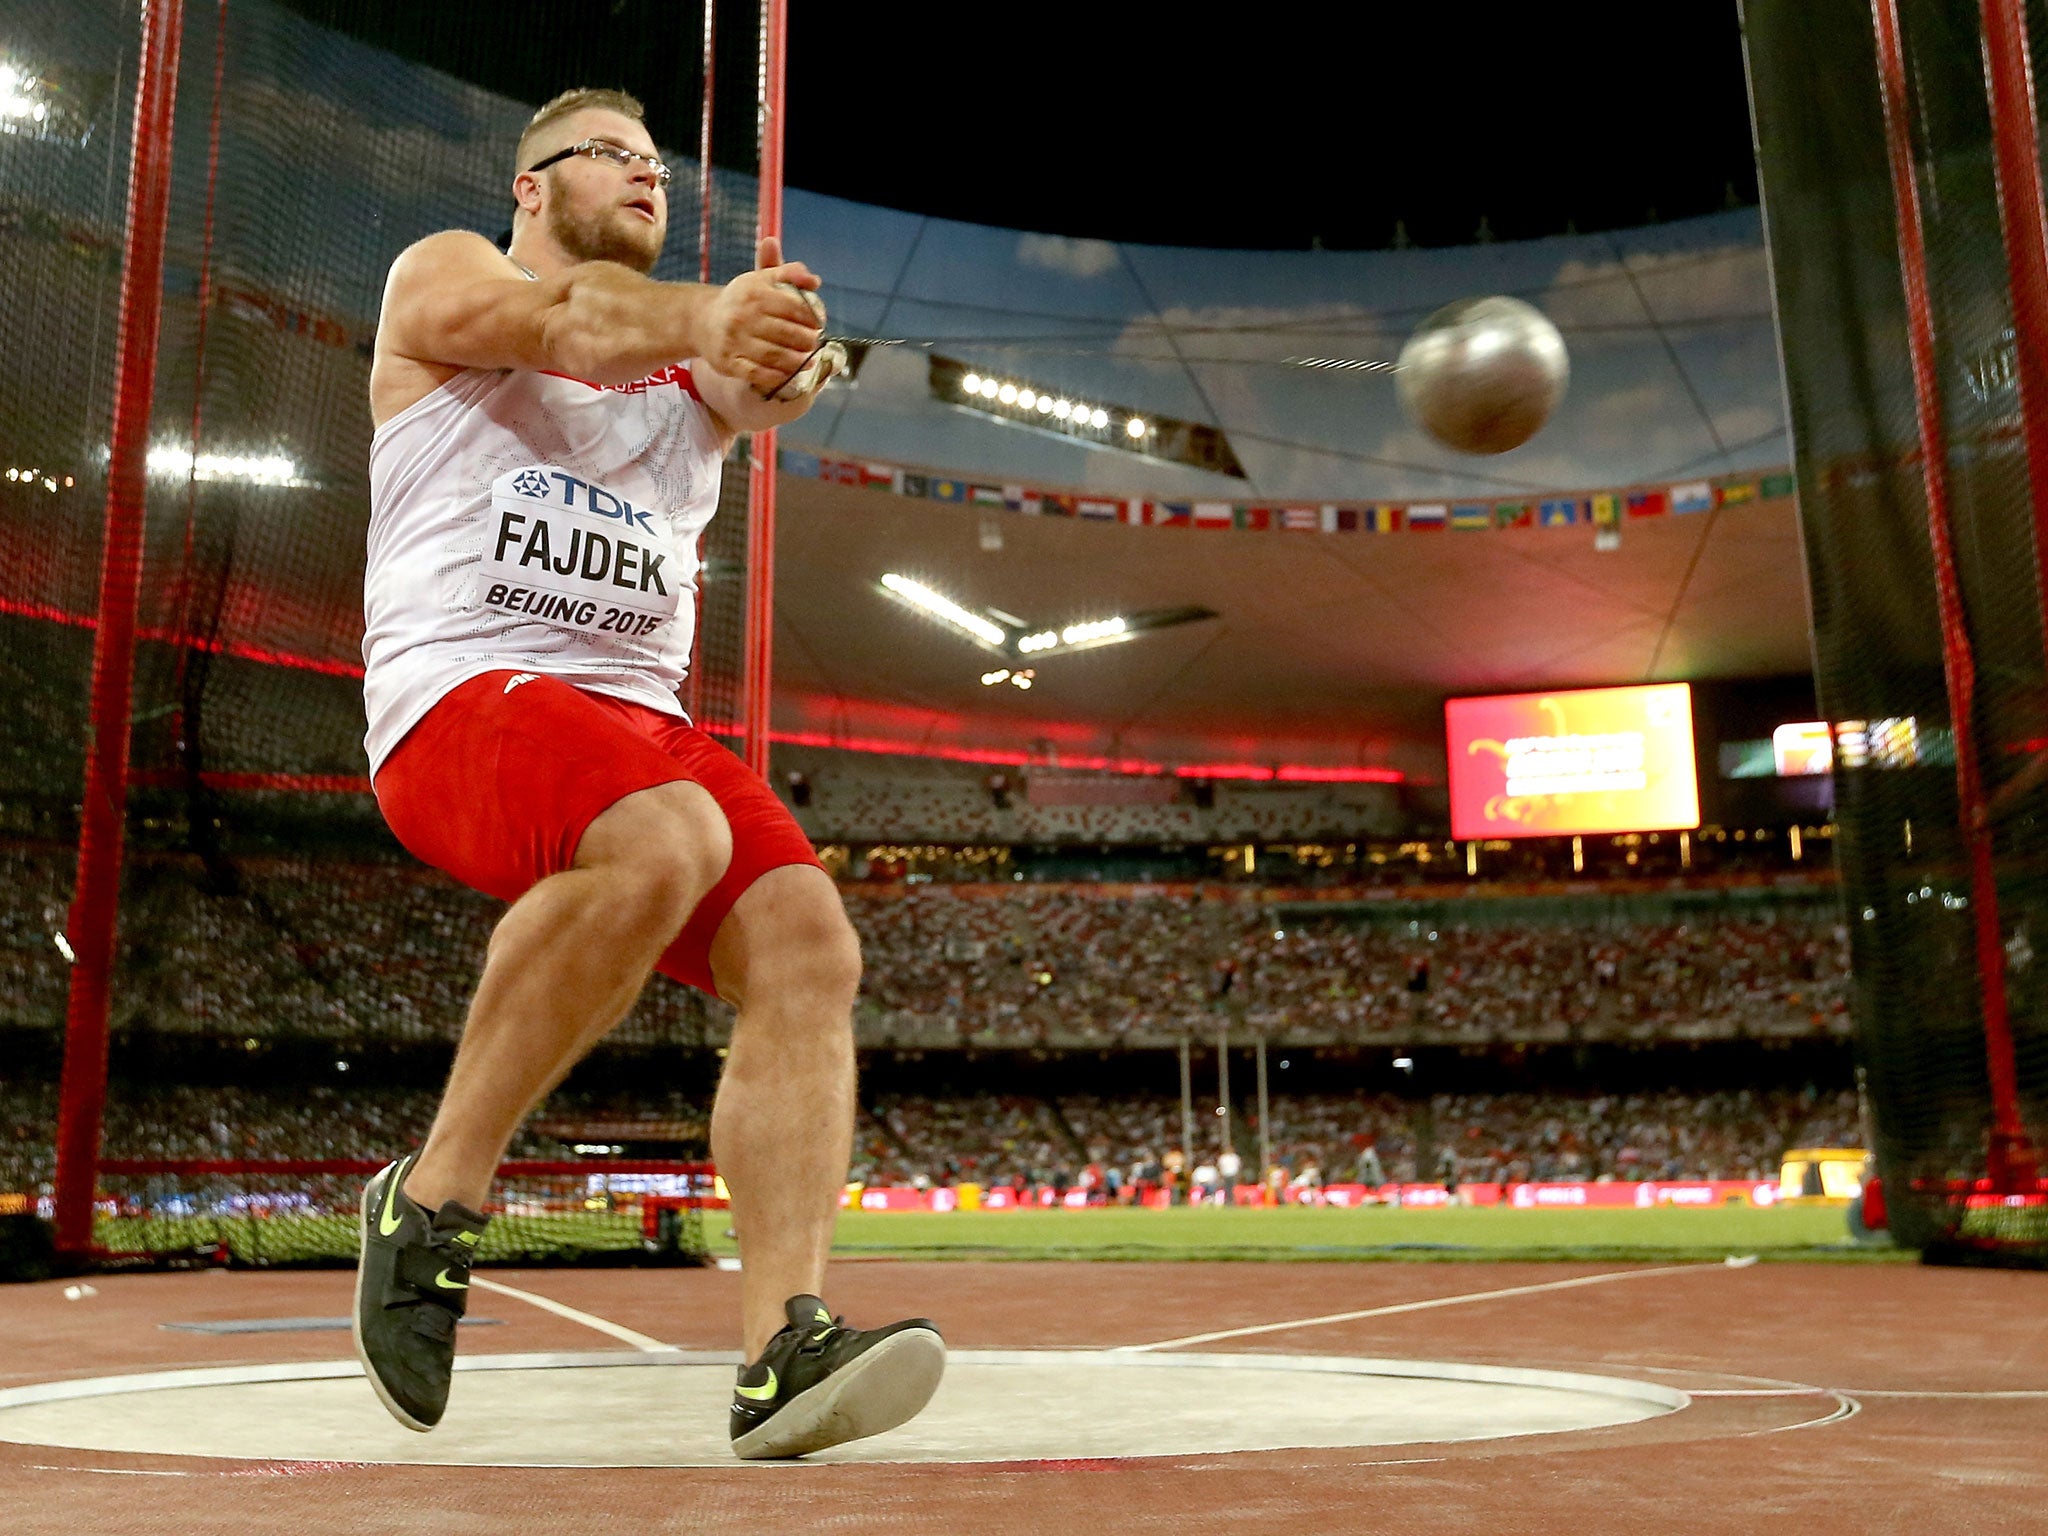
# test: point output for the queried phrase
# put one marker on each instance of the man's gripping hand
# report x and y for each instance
(764, 325)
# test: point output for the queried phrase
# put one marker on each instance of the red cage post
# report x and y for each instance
(1958, 660)
(95, 902)
(2009, 87)
(758, 686)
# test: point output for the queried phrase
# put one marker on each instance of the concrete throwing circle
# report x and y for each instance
(668, 1409)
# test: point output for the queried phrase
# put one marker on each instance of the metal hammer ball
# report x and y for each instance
(1483, 375)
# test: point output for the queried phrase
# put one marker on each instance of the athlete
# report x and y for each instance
(550, 426)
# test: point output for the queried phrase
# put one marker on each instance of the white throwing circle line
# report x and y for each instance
(614, 1330)
(1463, 1299)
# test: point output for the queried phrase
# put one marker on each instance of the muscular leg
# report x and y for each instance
(782, 1128)
(563, 967)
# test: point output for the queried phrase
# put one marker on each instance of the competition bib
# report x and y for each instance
(568, 552)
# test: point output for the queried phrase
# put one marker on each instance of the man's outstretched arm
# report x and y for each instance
(451, 300)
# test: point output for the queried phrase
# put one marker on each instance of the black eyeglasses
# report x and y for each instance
(602, 149)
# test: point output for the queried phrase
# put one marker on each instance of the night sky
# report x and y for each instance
(1355, 125)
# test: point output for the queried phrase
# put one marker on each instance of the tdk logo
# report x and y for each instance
(552, 485)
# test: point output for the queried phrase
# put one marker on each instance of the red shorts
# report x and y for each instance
(498, 782)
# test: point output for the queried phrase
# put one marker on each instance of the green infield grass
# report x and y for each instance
(1199, 1232)
(1309, 1232)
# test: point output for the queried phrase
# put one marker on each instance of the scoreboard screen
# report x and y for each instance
(1590, 760)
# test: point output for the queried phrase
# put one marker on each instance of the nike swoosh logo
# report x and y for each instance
(388, 1220)
(759, 1394)
(446, 1284)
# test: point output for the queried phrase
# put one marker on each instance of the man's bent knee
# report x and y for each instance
(666, 846)
(788, 941)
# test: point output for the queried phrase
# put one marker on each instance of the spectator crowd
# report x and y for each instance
(359, 951)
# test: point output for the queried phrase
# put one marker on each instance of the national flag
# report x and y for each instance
(1345, 520)
(877, 474)
(1018, 499)
(794, 461)
(1605, 510)
(1058, 504)
(1381, 519)
(911, 483)
(1104, 511)
(1736, 492)
(985, 495)
(1693, 496)
(1175, 514)
(1648, 504)
(1300, 519)
(839, 471)
(949, 490)
(1514, 514)
(1778, 485)
(1254, 517)
(1426, 518)
(1557, 514)
(1214, 514)
(1471, 517)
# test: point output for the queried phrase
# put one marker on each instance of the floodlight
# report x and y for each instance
(943, 607)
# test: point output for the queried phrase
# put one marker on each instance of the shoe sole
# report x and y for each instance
(356, 1321)
(887, 1386)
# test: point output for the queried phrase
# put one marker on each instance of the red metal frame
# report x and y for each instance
(90, 926)
(2010, 1157)
(704, 145)
(2009, 85)
(759, 672)
(693, 688)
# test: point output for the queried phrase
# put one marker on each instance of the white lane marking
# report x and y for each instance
(1846, 1407)
(1463, 1299)
(36, 1466)
(1986, 1396)
(618, 1331)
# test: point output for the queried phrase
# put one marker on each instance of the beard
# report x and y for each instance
(605, 237)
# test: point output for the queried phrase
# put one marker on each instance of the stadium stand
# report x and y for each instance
(990, 1138)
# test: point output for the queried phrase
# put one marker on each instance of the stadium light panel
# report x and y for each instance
(942, 607)
(1123, 428)
(1094, 631)
(171, 462)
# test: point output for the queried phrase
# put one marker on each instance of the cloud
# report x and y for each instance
(1076, 258)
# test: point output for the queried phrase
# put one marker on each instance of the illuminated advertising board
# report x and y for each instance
(1554, 764)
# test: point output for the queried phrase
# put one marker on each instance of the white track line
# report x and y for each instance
(1846, 1407)
(1986, 1396)
(1464, 1299)
(618, 1331)
(37, 1466)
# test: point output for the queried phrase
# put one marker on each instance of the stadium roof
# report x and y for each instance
(1333, 649)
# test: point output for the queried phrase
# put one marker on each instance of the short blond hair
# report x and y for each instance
(582, 99)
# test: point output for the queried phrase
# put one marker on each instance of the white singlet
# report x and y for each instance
(533, 522)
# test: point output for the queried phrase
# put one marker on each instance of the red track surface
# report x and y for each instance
(1730, 1464)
